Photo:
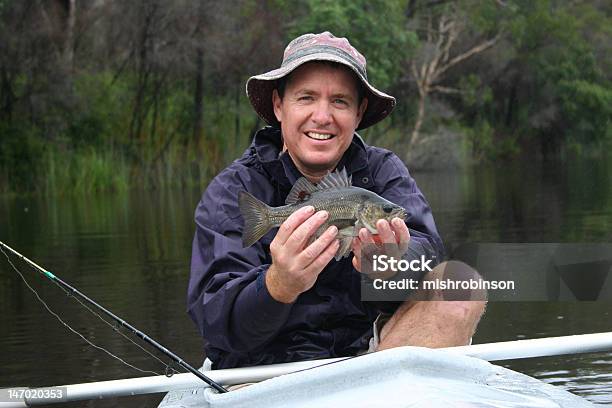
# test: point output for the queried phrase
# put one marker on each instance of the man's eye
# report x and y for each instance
(305, 98)
(341, 102)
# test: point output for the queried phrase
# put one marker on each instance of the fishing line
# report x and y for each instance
(117, 329)
(71, 290)
(67, 325)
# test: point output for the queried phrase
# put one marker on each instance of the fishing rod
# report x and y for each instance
(72, 290)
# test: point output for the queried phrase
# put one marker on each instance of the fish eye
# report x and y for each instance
(387, 209)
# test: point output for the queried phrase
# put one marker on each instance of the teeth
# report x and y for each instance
(319, 136)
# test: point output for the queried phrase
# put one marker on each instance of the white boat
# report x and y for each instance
(403, 377)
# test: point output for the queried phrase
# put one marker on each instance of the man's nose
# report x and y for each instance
(322, 113)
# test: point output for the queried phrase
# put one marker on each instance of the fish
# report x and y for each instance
(350, 208)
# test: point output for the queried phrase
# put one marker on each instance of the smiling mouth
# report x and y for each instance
(319, 136)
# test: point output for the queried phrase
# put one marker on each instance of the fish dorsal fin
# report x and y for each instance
(303, 188)
(301, 191)
(336, 179)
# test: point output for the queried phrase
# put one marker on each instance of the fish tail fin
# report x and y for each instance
(256, 216)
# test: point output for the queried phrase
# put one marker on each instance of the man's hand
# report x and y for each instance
(392, 237)
(295, 264)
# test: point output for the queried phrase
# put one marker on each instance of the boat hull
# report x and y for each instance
(403, 377)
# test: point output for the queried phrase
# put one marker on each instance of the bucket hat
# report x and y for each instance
(318, 47)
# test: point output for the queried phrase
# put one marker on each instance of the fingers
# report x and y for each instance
(366, 237)
(363, 239)
(292, 222)
(302, 234)
(401, 230)
(357, 263)
(385, 233)
(323, 254)
(396, 232)
(356, 247)
(402, 234)
(296, 265)
(314, 250)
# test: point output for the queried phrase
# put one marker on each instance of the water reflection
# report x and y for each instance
(131, 253)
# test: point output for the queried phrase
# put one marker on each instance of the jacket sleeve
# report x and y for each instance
(227, 295)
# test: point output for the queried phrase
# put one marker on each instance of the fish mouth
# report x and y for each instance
(319, 136)
(401, 214)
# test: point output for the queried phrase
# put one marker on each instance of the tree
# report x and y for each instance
(443, 31)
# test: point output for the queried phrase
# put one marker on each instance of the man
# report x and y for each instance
(285, 299)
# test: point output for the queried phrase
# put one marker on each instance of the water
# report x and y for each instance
(131, 254)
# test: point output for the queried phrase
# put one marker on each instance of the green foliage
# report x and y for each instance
(21, 148)
(553, 44)
(101, 117)
(474, 93)
(486, 145)
(99, 172)
(488, 17)
(588, 108)
(84, 171)
(377, 28)
(123, 114)
(94, 152)
(546, 84)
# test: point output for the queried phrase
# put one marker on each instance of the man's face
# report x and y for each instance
(318, 113)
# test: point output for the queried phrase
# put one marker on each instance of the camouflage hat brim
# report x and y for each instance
(259, 88)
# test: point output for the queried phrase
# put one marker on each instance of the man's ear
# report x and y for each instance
(277, 105)
(362, 108)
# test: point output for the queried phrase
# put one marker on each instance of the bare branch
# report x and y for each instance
(446, 90)
(471, 52)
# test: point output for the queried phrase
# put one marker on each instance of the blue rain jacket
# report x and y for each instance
(242, 325)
